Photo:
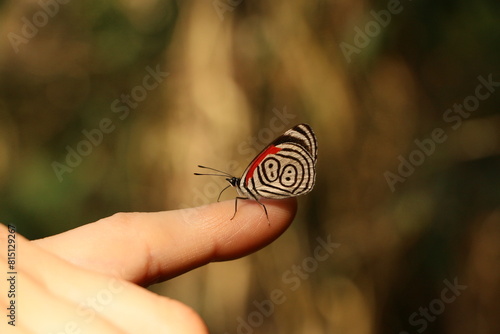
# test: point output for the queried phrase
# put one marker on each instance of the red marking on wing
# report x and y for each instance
(270, 150)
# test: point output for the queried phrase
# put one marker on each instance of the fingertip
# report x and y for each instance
(281, 212)
(248, 231)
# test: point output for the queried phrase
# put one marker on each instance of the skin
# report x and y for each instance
(90, 279)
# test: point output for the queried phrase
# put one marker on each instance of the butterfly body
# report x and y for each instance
(285, 168)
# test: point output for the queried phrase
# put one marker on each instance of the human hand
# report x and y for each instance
(85, 280)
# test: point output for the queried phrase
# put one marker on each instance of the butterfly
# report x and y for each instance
(285, 168)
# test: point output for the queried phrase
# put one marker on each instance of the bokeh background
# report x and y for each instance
(231, 75)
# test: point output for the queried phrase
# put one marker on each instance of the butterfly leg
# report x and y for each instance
(218, 198)
(236, 208)
(265, 210)
(236, 205)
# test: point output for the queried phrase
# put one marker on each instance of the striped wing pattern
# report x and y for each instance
(285, 168)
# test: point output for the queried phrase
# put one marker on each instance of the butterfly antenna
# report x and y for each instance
(215, 170)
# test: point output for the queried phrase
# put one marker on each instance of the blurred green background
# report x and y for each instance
(413, 210)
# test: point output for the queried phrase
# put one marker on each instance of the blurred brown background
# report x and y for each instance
(108, 106)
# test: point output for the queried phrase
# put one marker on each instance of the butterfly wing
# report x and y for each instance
(285, 168)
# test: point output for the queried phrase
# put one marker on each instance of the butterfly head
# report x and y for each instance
(233, 181)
